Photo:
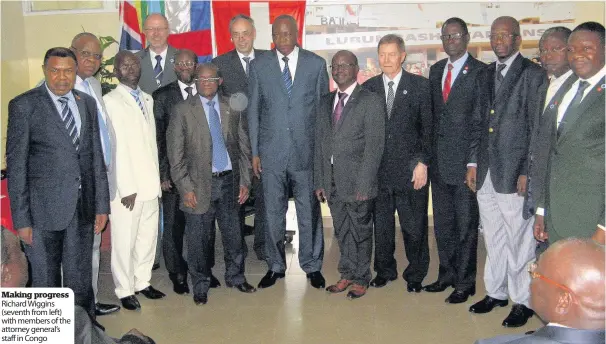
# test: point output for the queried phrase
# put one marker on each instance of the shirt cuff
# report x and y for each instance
(472, 164)
(540, 211)
(602, 227)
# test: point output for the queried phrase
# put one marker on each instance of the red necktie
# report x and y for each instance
(446, 89)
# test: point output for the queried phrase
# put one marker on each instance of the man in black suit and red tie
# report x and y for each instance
(455, 207)
(403, 172)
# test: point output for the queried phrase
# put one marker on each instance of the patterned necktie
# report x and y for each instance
(107, 148)
(189, 89)
(574, 104)
(390, 98)
(219, 150)
(69, 121)
(158, 70)
(499, 77)
(447, 83)
(339, 108)
(286, 77)
(135, 94)
(247, 62)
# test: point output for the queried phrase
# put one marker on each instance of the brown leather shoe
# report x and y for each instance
(339, 287)
(356, 291)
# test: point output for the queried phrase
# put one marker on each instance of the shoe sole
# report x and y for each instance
(490, 310)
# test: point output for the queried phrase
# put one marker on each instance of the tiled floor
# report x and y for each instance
(294, 312)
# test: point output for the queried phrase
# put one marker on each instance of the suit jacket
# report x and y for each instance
(282, 128)
(190, 154)
(148, 81)
(550, 335)
(452, 121)
(234, 75)
(136, 151)
(47, 175)
(574, 180)
(355, 144)
(503, 123)
(409, 130)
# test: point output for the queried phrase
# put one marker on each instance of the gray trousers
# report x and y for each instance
(96, 258)
(276, 186)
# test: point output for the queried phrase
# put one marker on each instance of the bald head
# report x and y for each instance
(156, 32)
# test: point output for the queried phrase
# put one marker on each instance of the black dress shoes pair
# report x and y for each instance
(243, 287)
(270, 279)
(179, 284)
(460, 296)
(105, 309)
(380, 282)
(130, 302)
(316, 279)
(214, 282)
(487, 305)
(437, 287)
(518, 316)
(414, 287)
(151, 293)
(201, 299)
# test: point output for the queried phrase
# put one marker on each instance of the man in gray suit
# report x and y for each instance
(209, 154)
(567, 292)
(87, 48)
(350, 135)
(285, 87)
(157, 70)
(58, 183)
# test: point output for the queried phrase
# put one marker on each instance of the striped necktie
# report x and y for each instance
(247, 62)
(286, 77)
(158, 70)
(135, 94)
(69, 121)
(390, 98)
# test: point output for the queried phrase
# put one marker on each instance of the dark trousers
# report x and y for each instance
(412, 211)
(174, 230)
(70, 250)
(259, 224)
(352, 222)
(456, 219)
(200, 241)
(311, 238)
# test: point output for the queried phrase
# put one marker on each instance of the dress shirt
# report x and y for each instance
(456, 68)
(139, 92)
(218, 109)
(252, 57)
(153, 55)
(81, 86)
(182, 86)
(293, 57)
(396, 82)
(348, 91)
(71, 102)
(557, 325)
(507, 63)
(554, 85)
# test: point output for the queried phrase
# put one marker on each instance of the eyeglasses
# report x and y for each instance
(155, 29)
(544, 52)
(532, 267)
(342, 66)
(281, 35)
(186, 64)
(584, 49)
(87, 54)
(207, 80)
(502, 36)
(453, 36)
(244, 34)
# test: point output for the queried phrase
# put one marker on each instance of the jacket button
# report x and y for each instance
(492, 112)
(490, 130)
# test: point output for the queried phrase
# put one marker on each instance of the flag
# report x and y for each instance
(189, 24)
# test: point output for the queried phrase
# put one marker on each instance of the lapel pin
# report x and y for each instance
(172, 60)
(405, 92)
(465, 69)
(551, 106)
(600, 88)
(77, 96)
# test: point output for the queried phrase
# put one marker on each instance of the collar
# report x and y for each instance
(460, 62)
(138, 90)
(562, 77)
(55, 98)
(205, 100)
(348, 90)
(251, 55)
(79, 80)
(294, 53)
(182, 86)
(509, 61)
(594, 79)
(396, 79)
(163, 54)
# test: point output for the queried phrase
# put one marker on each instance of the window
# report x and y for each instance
(59, 7)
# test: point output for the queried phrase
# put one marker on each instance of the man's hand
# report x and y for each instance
(256, 166)
(243, 194)
(470, 178)
(166, 185)
(129, 201)
(419, 176)
(25, 234)
(599, 236)
(100, 222)
(360, 197)
(321, 195)
(539, 228)
(190, 200)
(522, 181)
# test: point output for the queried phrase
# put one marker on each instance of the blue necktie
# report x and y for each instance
(158, 70)
(69, 121)
(286, 76)
(219, 151)
(135, 94)
(107, 148)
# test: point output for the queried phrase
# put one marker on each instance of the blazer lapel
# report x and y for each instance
(146, 64)
(512, 74)
(197, 110)
(351, 102)
(82, 109)
(49, 105)
(490, 70)
(225, 119)
(299, 72)
(168, 72)
(590, 98)
(236, 65)
(460, 78)
(401, 96)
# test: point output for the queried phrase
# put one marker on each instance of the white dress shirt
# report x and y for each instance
(348, 91)
(252, 57)
(153, 55)
(554, 86)
(71, 102)
(456, 68)
(507, 63)
(293, 57)
(182, 86)
(396, 82)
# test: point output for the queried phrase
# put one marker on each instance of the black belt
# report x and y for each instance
(221, 174)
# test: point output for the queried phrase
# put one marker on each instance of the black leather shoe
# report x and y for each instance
(317, 280)
(180, 287)
(436, 287)
(105, 309)
(214, 282)
(270, 279)
(518, 316)
(156, 266)
(130, 302)
(460, 296)
(151, 293)
(380, 282)
(414, 287)
(487, 304)
(201, 299)
(243, 287)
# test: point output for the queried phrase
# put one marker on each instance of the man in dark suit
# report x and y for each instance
(403, 172)
(455, 207)
(350, 135)
(209, 155)
(510, 99)
(235, 67)
(285, 87)
(567, 292)
(58, 185)
(572, 201)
